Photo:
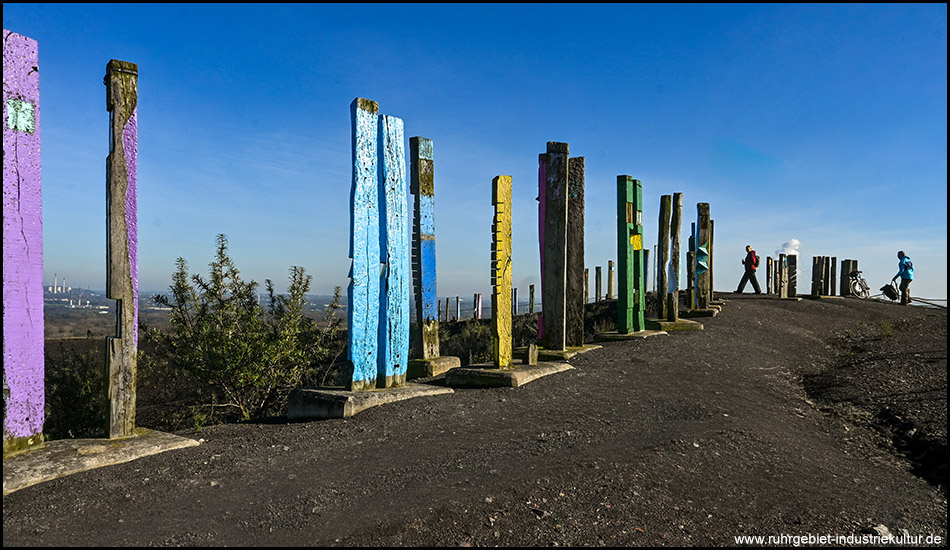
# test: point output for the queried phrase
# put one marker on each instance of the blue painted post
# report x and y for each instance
(363, 290)
(396, 286)
(427, 303)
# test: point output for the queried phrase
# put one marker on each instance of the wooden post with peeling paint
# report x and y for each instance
(552, 178)
(702, 256)
(630, 256)
(673, 300)
(663, 257)
(396, 285)
(363, 290)
(501, 272)
(422, 186)
(23, 351)
(121, 82)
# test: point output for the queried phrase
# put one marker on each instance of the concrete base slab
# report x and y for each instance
(487, 376)
(679, 324)
(711, 312)
(322, 403)
(62, 457)
(556, 355)
(615, 336)
(427, 368)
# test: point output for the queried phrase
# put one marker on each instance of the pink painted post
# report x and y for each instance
(23, 359)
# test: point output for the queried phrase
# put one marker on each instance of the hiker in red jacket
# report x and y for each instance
(750, 262)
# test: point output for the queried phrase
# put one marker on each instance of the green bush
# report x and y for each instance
(246, 356)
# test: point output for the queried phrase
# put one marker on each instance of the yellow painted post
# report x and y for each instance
(501, 272)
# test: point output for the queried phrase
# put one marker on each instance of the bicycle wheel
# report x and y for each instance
(858, 289)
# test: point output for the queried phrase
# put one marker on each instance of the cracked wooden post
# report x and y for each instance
(396, 285)
(422, 186)
(501, 272)
(833, 278)
(23, 352)
(782, 276)
(586, 285)
(673, 300)
(630, 257)
(847, 266)
(702, 256)
(363, 290)
(768, 275)
(552, 178)
(816, 267)
(663, 256)
(574, 298)
(121, 82)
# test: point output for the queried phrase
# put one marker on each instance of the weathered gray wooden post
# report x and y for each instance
(530, 298)
(663, 256)
(630, 302)
(783, 275)
(791, 271)
(597, 283)
(816, 269)
(847, 266)
(673, 300)
(691, 267)
(586, 285)
(23, 353)
(514, 301)
(447, 305)
(610, 280)
(458, 308)
(833, 275)
(702, 256)
(478, 306)
(121, 82)
(552, 178)
(422, 186)
(768, 275)
(574, 297)
(501, 272)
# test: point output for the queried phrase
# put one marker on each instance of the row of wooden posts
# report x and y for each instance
(782, 276)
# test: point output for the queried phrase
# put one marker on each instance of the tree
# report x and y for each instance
(224, 339)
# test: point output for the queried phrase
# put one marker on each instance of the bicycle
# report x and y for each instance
(859, 286)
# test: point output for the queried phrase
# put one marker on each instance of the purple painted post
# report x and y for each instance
(122, 242)
(23, 360)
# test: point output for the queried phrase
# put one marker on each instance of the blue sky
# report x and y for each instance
(821, 123)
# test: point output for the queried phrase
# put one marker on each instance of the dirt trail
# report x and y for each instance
(765, 423)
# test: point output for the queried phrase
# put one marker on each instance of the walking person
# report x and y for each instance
(905, 270)
(750, 262)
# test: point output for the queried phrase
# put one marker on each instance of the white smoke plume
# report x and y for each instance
(790, 247)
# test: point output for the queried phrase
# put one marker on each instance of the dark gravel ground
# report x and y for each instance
(798, 418)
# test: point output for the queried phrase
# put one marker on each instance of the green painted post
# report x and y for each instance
(631, 265)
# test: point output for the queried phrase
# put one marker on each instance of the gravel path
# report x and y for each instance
(781, 417)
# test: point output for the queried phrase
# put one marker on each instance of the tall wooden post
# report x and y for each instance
(23, 353)
(847, 266)
(458, 308)
(574, 297)
(673, 301)
(610, 280)
(597, 283)
(768, 275)
(478, 306)
(702, 256)
(586, 285)
(121, 82)
(833, 275)
(630, 257)
(396, 286)
(691, 266)
(531, 299)
(791, 270)
(663, 256)
(363, 290)
(553, 177)
(514, 301)
(712, 269)
(422, 186)
(501, 272)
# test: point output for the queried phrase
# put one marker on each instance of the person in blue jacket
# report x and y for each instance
(905, 270)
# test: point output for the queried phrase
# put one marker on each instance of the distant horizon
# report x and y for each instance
(824, 125)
